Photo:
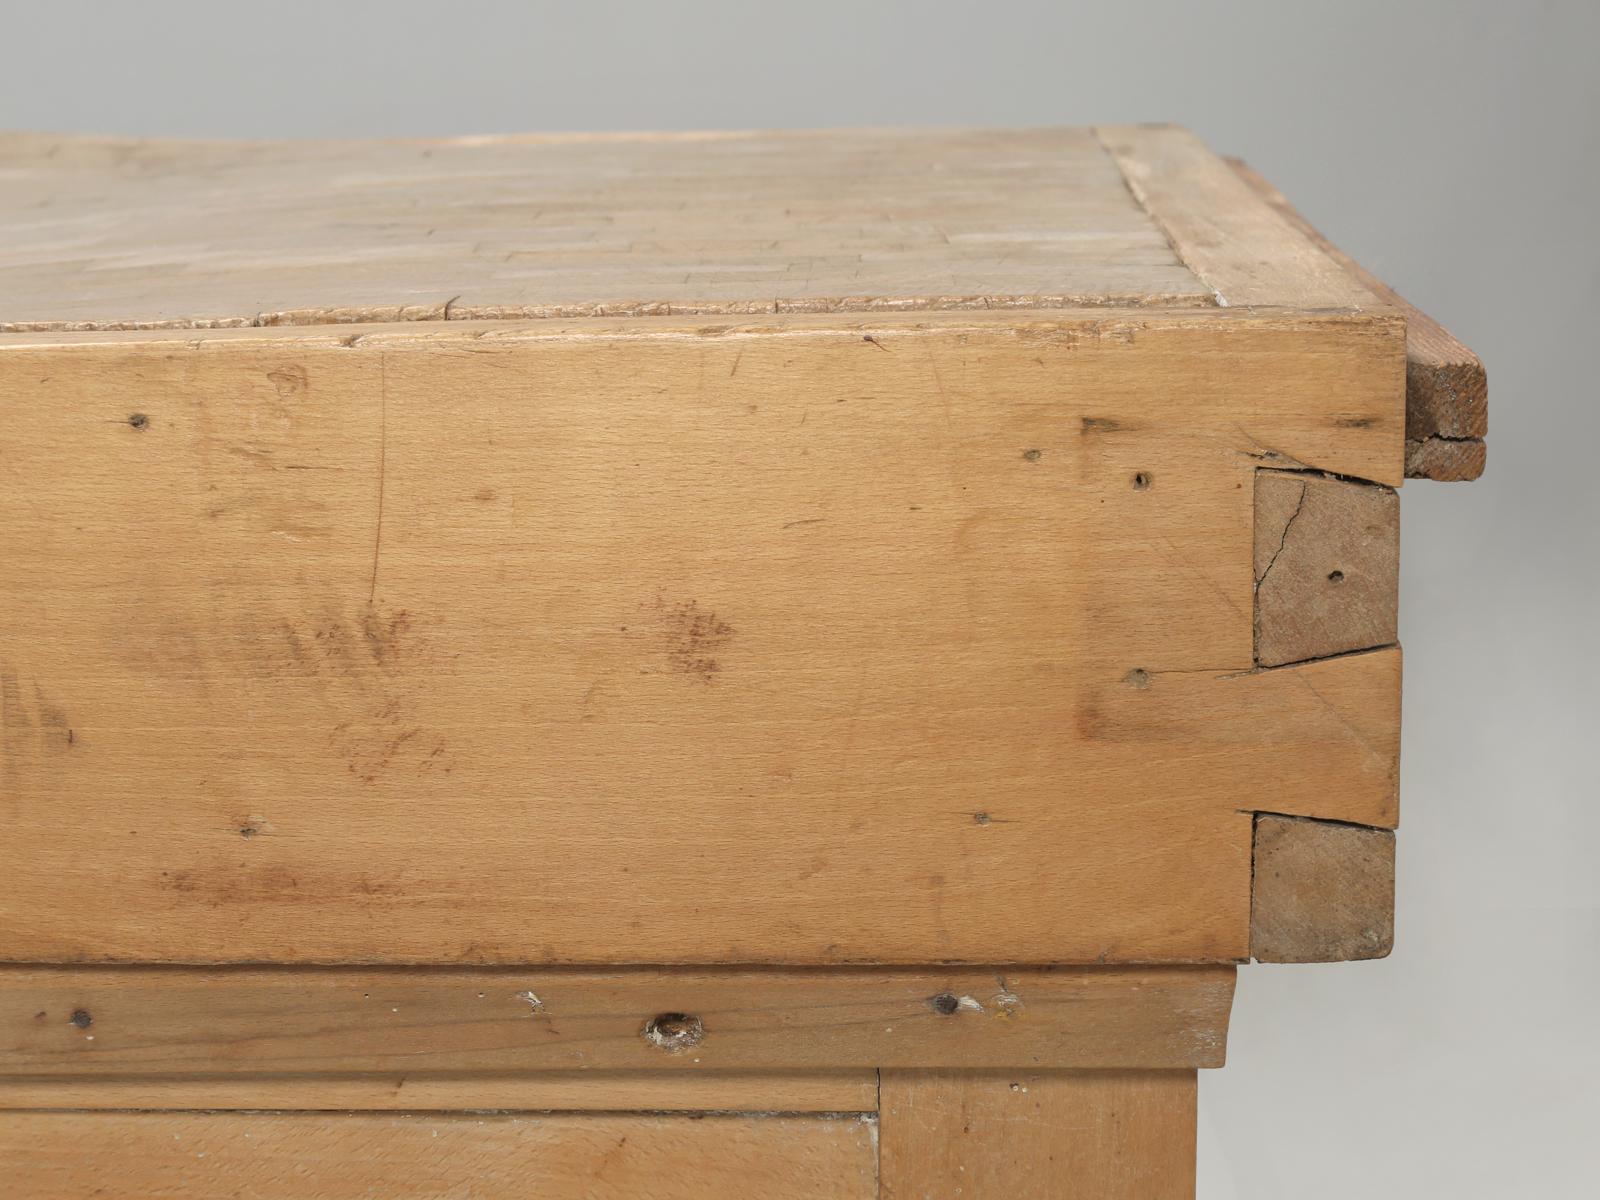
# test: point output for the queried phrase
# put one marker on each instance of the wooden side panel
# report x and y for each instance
(1327, 566)
(817, 643)
(1324, 892)
(1121, 1135)
(1447, 390)
(129, 1023)
(291, 1156)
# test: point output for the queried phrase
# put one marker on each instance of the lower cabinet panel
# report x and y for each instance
(457, 1156)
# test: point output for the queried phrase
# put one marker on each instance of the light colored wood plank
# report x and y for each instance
(547, 1091)
(813, 642)
(296, 1156)
(1038, 1136)
(1239, 245)
(114, 233)
(1447, 390)
(1327, 566)
(1324, 892)
(129, 1022)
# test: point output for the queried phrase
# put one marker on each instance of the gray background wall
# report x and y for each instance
(1453, 148)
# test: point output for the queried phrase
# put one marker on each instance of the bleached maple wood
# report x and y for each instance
(345, 1156)
(667, 642)
(542, 1091)
(1327, 566)
(1122, 1135)
(120, 233)
(83, 1023)
(1243, 248)
(1447, 390)
(1324, 892)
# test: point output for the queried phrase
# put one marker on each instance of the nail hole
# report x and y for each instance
(1141, 481)
(944, 1004)
(81, 1018)
(138, 420)
(674, 1032)
(1335, 576)
(1138, 677)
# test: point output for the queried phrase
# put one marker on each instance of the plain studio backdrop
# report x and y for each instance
(1453, 148)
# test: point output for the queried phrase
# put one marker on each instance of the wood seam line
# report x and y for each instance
(1239, 246)
(1447, 388)
(820, 1114)
(1143, 202)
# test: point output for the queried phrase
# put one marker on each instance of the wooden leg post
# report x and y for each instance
(1047, 1135)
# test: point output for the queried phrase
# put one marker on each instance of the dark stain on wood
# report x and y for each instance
(694, 638)
(290, 382)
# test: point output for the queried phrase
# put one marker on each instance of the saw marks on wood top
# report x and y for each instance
(103, 233)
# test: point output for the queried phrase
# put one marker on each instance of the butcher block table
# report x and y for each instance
(750, 664)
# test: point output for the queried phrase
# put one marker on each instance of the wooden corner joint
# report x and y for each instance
(1447, 389)
(1327, 561)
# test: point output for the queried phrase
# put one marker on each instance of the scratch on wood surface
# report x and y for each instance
(1177, 558)
(1334, 711)
(383, 464)
(938, 379)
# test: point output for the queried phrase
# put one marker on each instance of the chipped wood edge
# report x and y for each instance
(1447, 389)
(1321, 891)
(89, 1024)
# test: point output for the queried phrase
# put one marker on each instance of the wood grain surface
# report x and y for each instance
(530, 1091)
(1243, 248)
(1324, 892)
(118, 233)
(809, 643)
(1111, 1135)
(429, 1156)
(95, 1024)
